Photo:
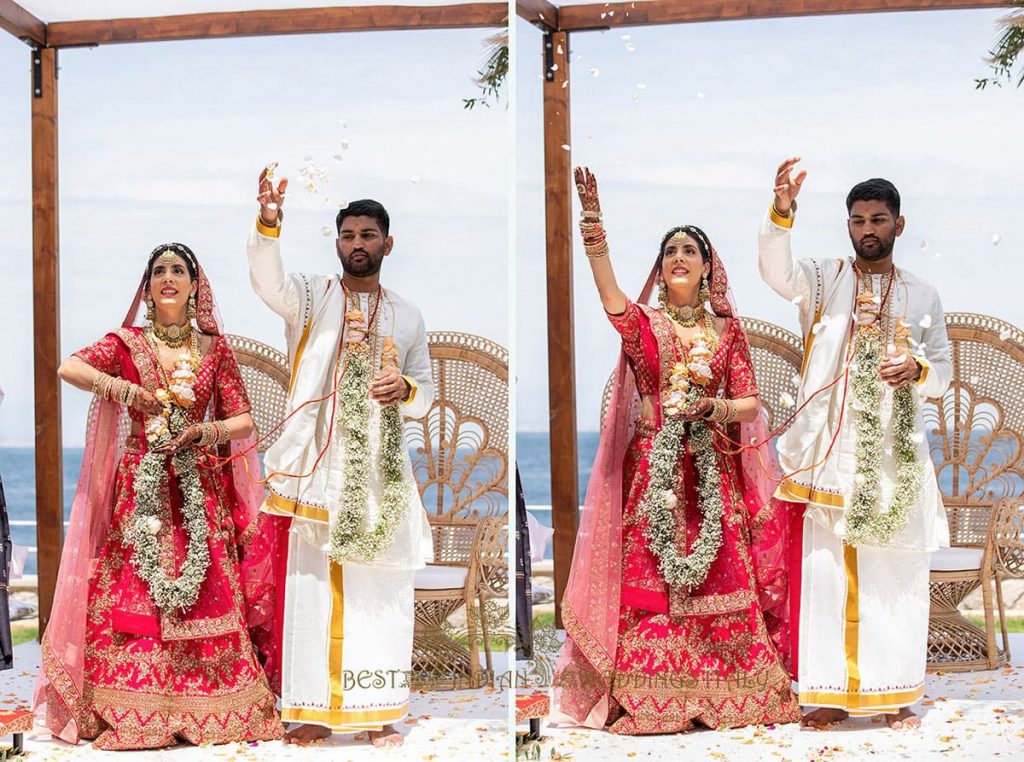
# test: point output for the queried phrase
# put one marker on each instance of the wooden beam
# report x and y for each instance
(21, 23)
(649, 12)
(295, 21)
(538, 12)
(46, 319)
(561, 343)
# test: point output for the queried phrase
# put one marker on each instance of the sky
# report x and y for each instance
(687, 124)
(164, 142)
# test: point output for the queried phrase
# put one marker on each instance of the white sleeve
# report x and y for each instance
(937, 365)
(416, 369)
(788, 277)
(270, 282)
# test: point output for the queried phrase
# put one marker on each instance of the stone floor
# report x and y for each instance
(442, 725)
(965, 716)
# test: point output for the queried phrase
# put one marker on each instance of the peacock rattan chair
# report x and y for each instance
(976, 433)
(460, 459)
(265, 375)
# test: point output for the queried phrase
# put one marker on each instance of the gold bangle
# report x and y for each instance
(599, 251)
(223, 434)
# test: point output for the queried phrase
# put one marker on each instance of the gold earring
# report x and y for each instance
(662, 292)
(705, 290)
(150, 309)
(191, 310)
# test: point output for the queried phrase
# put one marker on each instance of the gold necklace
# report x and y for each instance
(193, 348)
(687, 317)
(173, 336)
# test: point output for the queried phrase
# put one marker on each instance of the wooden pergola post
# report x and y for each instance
(46, 318)
(561, 335)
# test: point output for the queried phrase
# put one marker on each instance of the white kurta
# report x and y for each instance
(347, 640)
(863, 611)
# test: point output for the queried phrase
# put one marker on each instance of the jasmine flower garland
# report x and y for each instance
(348, 538)
(865, 524)
(659, 500)
(151, 496)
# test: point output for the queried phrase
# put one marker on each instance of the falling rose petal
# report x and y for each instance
(936, 255)
(566, 147)
(339, 157)
(611, 13)
(271, 206)
(604, 15)
(996, 239)
(415, 179)
(307, 157)
(974, 380)
(898, 360)
(1004, 334)
(641, 85)
(595, 72)
(926, 321)
(342, 203)
(700, 94)
(627, 37)
(343, 123)
(559, 49)
(924, 245)
(344, 145)
(795, 379)
(797, 299)
(917, 437)
(630, 47)
(817, 327)
(636, 97)
(554, 67)
(786, 400)
(565, 84)
(326, 231)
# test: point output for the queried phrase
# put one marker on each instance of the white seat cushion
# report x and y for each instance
(957, 559)
(441, 577)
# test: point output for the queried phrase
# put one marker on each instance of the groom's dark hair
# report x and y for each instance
(875, 189)
(365, 207)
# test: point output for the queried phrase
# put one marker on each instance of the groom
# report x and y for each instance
(875, 346)
(347, 511)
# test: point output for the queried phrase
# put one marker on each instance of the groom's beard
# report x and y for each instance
(362, 267)
(873, 253)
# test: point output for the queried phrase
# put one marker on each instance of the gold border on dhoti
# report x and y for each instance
(879, 702)
(346, 720)
(284, 506)
(336, 640)
(801, 493)
(852, 615)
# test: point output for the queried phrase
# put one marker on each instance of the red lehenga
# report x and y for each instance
(644, 657)
(115, 667)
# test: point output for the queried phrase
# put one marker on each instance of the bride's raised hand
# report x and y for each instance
(586, 187)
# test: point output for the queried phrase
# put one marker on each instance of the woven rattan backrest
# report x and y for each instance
(265, 374)
(460, 447)
(776, 354)
(976, 429)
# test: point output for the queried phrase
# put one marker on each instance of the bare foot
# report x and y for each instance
(386, 736)
(304, 735)
(823, 717)
(904, 718)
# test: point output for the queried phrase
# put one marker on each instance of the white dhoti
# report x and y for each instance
(347, 629)
(863, 624)
(863, 637)
(347, 645)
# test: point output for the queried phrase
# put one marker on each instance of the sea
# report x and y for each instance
(17, 469)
